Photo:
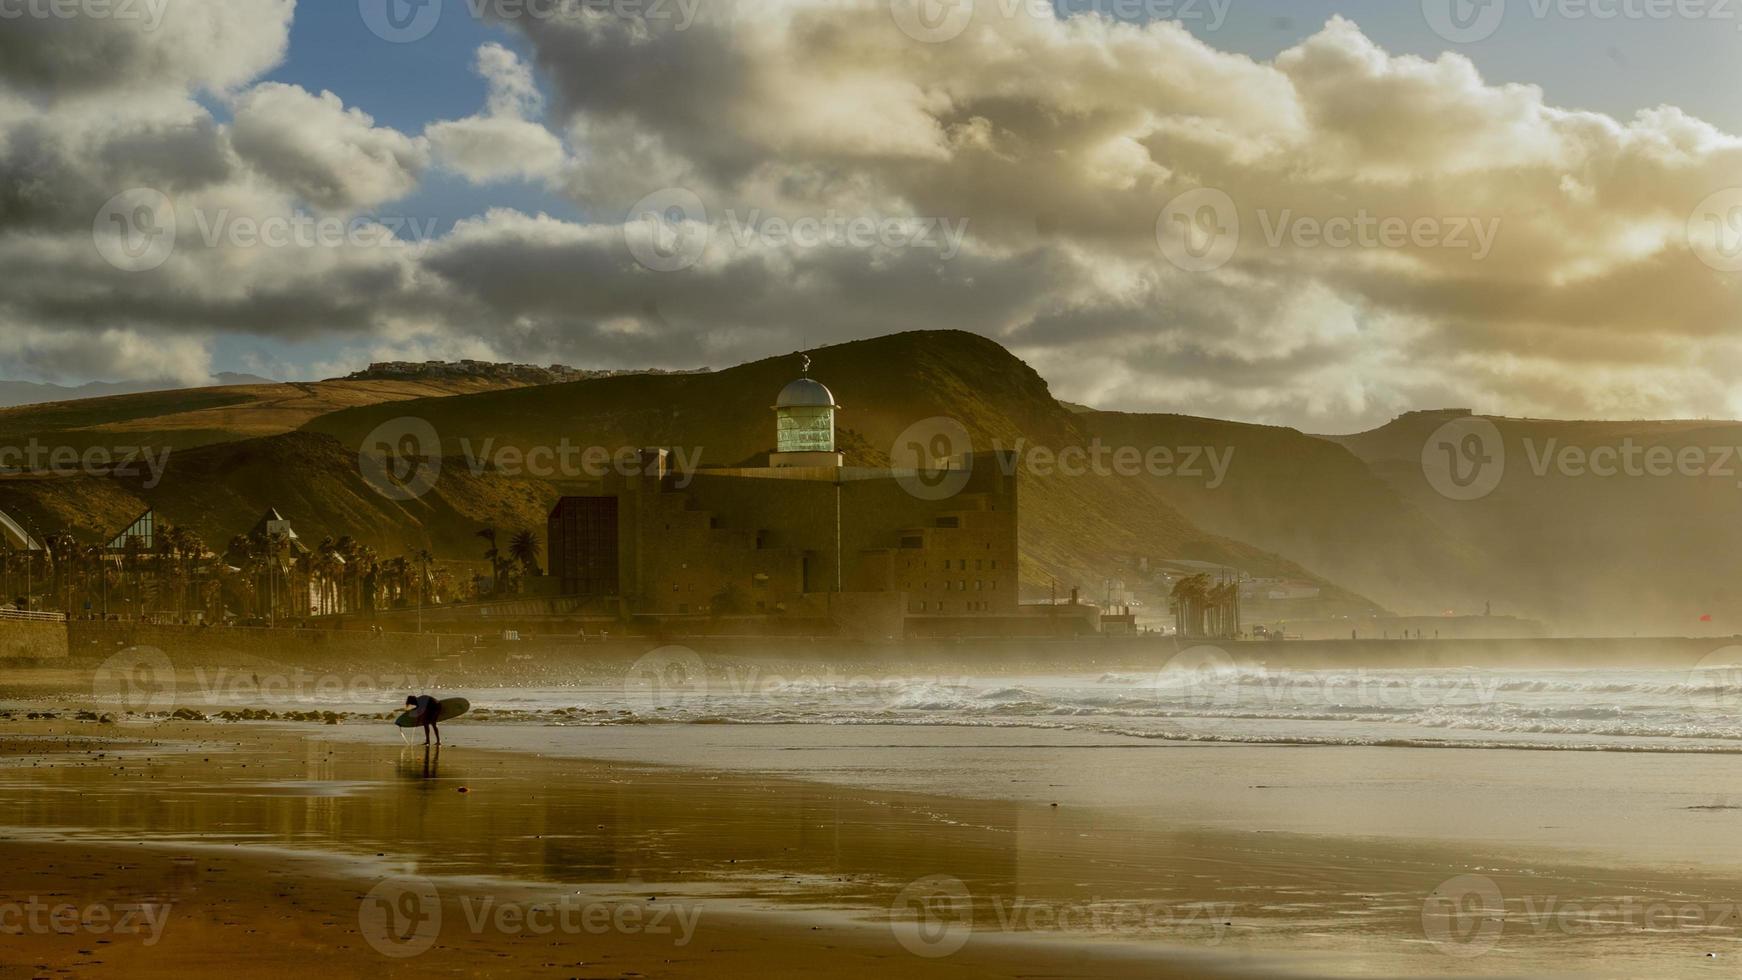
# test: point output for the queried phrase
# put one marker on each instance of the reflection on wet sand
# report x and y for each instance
(1004, 867)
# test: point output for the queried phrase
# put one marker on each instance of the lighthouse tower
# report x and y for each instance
(804, 424)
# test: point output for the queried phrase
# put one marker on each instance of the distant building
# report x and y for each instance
(803, 536)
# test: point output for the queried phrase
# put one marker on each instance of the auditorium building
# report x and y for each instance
(803, 537)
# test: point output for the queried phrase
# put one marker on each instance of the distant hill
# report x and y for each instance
(192, 417)
(1588, 552)
(506, 375)
(33, 393)
(1354, 515)
(314, 482)
(1076, 530)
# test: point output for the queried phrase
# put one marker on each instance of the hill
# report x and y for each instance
(1077, 530)
(1589, 543)
(314, 482)
(202, 416)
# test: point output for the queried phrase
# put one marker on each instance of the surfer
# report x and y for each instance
(429, 711)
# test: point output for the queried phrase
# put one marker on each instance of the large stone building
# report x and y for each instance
(804, 536)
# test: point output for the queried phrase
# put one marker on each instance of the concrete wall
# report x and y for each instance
(100, 639)
(20, 640)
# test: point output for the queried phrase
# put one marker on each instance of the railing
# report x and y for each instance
(29, 616)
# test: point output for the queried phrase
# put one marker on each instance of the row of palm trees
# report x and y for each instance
(509, 568)
(1203, 607)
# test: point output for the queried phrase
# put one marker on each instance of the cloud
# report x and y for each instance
(503, 142)
(333, 157)
(143, 47)
(1059, 142)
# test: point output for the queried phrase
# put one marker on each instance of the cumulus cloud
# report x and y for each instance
(504, 141)
(333, 157)
(1557, 278)
(213, 45)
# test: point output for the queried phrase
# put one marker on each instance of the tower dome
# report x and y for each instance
(804, 419)
(806, 393)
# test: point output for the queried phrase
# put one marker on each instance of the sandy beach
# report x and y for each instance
(580, 841)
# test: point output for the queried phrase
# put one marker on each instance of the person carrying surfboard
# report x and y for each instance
(429, 711)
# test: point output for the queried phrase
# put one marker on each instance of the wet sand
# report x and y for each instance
(542, 845)
(281, 853)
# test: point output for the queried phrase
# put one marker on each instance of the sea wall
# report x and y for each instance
(24, 640)
(233, 644)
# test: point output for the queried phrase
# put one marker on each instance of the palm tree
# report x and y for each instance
(524, 548)
(493, 555)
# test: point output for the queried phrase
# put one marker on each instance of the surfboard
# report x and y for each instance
(451, 708)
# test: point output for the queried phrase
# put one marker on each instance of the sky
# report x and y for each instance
(1303, 212)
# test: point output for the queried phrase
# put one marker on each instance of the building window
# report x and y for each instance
(949, 522)
(913, 542)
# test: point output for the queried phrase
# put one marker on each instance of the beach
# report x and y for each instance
(560, 832)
